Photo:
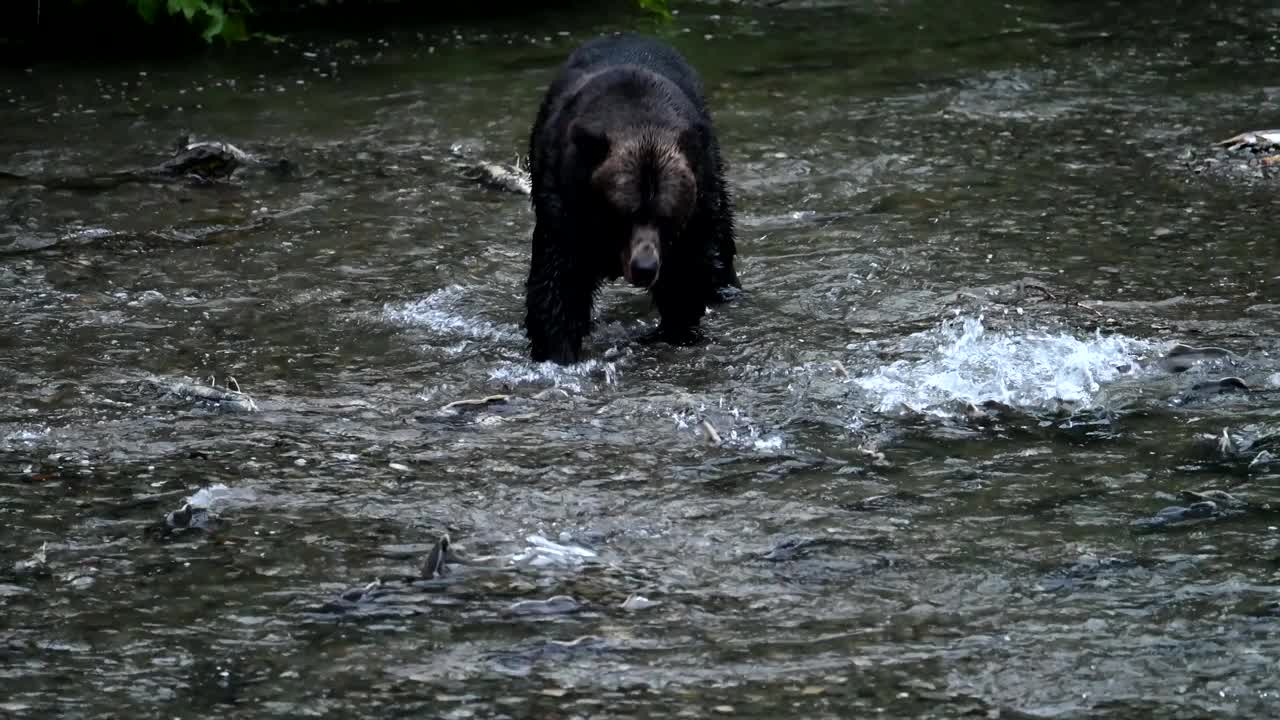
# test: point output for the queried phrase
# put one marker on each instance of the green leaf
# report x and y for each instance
(147, 9)
(660, 8)
(213, 18)
(217, 21)
(234, 30)
(189, 8)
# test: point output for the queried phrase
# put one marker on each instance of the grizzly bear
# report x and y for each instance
(627, 182)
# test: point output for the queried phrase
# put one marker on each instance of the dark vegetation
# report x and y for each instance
(59, 26)
(214, 18)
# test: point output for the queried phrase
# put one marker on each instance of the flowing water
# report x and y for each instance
(946, 417)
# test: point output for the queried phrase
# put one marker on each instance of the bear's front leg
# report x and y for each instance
(558, 300)
(680, 295)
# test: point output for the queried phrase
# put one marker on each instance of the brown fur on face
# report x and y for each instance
(646, 179)
(645, 175)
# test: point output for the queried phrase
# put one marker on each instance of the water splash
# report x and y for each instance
(568, 377)
(732, 426)
(444, 313)
(968, 364)
(541, 553)
(218, 496)
(24, 436)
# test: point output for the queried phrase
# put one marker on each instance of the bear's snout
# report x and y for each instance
(641, 260)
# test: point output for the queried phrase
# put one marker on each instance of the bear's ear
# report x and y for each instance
(592, 146)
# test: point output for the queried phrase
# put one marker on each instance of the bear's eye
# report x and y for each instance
(592, 146)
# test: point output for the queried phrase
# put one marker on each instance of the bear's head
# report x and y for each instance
(644, 176)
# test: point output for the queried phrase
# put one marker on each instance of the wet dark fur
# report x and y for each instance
(623, 140)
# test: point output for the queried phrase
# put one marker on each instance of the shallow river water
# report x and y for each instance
(947, 418)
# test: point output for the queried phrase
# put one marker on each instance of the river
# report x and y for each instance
(916, 471)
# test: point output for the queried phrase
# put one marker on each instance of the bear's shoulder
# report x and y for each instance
(638, 51)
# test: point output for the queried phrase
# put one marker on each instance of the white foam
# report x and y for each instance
(218, 495)
(443, 312)
(562, 376)
(967, 364)
(734, 427)
(27, 435)
(772, 443)
(542, 552)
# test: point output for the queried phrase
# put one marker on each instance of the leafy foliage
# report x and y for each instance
(215, 18)
(225, 19)
(661, 8)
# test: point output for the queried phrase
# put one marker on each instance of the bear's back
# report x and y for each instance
(631, 49)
